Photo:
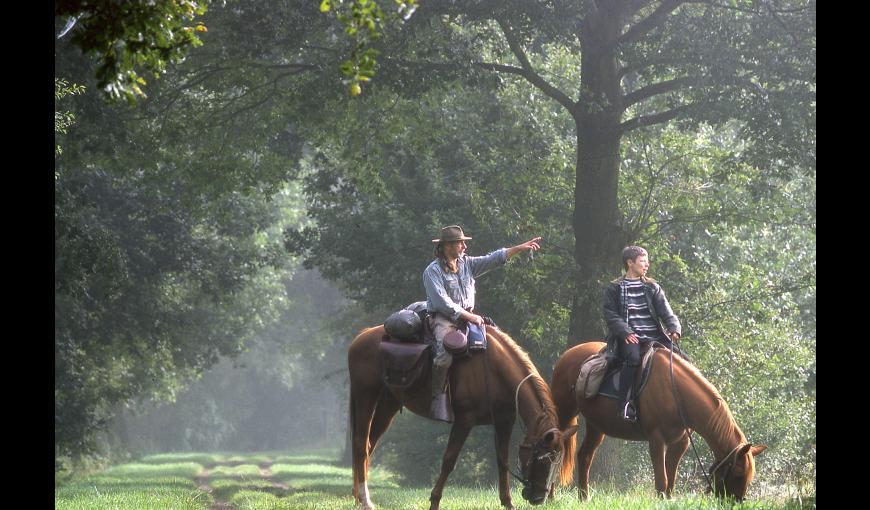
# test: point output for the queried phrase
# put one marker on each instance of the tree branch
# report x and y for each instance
(642, 64)
(529, 73)
(656, 89)
(650, 22)
(658, 118)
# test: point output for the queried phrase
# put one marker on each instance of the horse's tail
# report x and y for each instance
(569, 448)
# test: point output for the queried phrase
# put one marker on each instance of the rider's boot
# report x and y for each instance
(627, 410)
(440, 408)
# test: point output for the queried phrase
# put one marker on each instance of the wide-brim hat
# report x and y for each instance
(451, 233)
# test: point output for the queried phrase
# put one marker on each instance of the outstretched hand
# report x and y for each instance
(532, 245)
(526, 246)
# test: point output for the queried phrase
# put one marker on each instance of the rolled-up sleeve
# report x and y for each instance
(438, 300)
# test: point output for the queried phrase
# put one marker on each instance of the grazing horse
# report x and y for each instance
(487, 388)
(659, 423)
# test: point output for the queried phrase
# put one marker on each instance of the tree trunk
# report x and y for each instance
(598, 232)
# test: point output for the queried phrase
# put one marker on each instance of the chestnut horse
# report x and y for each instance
(487, 388)
(659, 423)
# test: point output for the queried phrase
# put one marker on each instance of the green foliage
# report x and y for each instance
(363, 21)
(734, 246)
(147, 295)
(63, 119)
(165, 251)
(129, 36)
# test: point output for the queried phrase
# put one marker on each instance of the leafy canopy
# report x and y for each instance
(131, 36)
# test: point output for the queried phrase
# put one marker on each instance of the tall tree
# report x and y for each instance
(641, 63)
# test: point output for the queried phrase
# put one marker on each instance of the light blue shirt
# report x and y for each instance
(450, 293)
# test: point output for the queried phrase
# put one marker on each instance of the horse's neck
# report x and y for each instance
(709, 415)
(524, 392)
(530, 406)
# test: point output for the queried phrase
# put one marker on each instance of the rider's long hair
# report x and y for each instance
(442, 259)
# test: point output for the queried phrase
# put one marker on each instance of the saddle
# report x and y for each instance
(599, 375)
(407, 358)
(406, 346)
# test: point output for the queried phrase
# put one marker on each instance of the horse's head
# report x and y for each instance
(540, 459)
(731, 475)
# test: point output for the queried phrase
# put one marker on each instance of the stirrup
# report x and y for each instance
(629, 413)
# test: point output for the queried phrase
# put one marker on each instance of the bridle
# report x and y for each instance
(537, 453)
(715, 468)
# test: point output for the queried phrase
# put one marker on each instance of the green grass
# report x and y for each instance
(206, 459)
(225, 489)
(312, 481)
(106, 492)
(238, 471)
(139, 470)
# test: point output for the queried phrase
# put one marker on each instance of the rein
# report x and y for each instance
(686, 426)
(517, 400)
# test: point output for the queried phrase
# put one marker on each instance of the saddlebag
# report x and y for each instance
(404, 363)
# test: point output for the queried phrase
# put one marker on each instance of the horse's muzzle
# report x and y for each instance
(533, 498)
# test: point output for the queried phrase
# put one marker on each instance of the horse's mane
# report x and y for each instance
(721, 422)
(521, 357)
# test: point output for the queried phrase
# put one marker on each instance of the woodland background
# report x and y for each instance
(241, 186)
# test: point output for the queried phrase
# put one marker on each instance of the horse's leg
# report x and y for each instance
(362, 408)
(657, 449)
(458, 434)
(385, 411)
(503, 430)
(591, 441)
(672, 461)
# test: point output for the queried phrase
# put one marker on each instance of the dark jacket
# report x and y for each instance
(616, 311)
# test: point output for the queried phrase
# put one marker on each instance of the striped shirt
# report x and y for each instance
(639, 318)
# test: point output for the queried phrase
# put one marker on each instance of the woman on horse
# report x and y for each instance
(449, 283)
(634, 308)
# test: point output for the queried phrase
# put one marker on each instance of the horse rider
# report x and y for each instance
(449, 283)
(634, 308)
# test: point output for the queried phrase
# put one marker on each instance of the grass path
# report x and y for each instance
(203, 482)
(312, 481)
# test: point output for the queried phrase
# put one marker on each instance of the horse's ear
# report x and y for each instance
(743, 450)
(758, 448)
